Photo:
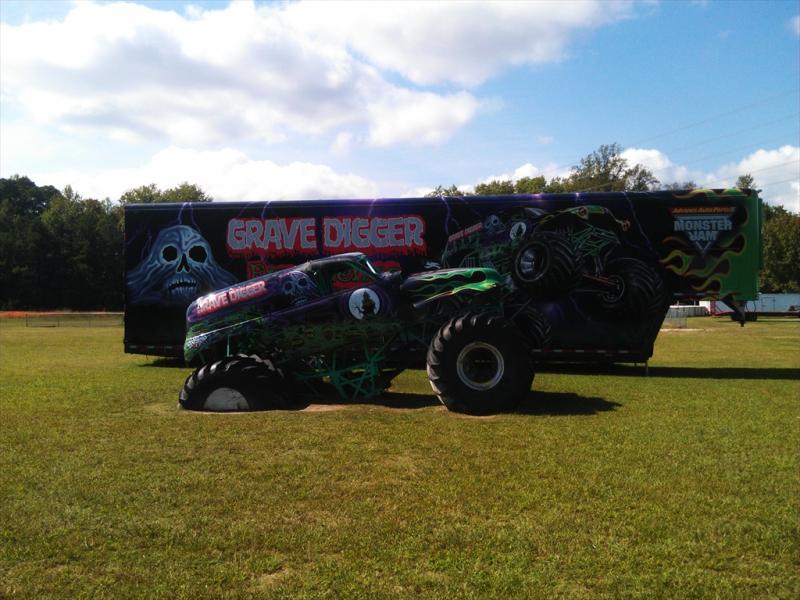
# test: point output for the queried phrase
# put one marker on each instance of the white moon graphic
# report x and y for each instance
(364, 303)
(517, 230)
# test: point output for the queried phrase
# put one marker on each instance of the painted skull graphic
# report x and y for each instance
(493, 224)
(299, 287)
(179, 268)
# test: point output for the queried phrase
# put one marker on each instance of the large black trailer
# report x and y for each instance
(578, 255)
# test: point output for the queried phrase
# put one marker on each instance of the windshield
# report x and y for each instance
(338, 273)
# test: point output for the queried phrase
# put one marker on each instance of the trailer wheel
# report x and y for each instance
(238, 383)
(475, 365)
(639, 289)
(547, 265)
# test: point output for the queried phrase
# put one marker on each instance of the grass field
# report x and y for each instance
(682, 484)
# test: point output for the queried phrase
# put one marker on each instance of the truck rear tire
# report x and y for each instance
(237, 383)
(546, 266)
(640, 290)
(476, 365)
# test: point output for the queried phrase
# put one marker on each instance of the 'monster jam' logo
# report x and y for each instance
(702, 225)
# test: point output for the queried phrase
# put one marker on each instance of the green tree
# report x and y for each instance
(677, 186)
(557, 185)
(781, 272)
(495, 188)
(445, 191)
(150, 194)
(22, 237)
(24, 197)
(530, 185)
(144, 194)
(185, 192)
(606, 170)
(82, 251)
(746, 182)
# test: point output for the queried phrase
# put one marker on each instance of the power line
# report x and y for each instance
(730, 150)
(749, 172)
(701, 143)
(794, 179)
(734, 133)
(721, 181)
(766, 100)
(733, 111)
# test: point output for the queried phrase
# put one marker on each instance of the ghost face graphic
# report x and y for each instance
(179, 268)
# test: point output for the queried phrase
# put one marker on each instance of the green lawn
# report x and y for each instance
(681, 484)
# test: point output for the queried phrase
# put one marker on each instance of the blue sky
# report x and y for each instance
(258, 101)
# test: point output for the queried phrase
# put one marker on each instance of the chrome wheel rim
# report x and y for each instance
(619, 290)
(480, 366)
(226, 399)
(530, 263)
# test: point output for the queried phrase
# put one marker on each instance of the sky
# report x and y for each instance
(291, 100)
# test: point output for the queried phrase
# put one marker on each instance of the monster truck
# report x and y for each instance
(337, 323)
(552, 254)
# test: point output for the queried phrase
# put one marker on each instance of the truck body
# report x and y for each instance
(576, 256)
(292, 333)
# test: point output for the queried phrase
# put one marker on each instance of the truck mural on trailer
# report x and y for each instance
(595, 270)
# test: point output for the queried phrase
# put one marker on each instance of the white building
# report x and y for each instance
(766, 303)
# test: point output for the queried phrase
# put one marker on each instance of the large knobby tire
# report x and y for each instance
(547, 265)
(477, 365)
(238, 383)
(534, 328)
(640, 291)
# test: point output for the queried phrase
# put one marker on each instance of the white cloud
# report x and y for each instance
(776, 172)
(795, 25)
(271, 71)
(460, 42)
(20, 142)
(527, 170)
(225, 175)
(419, 118)
(215, 76)
(416, 192)
(544, 140)
(662, 167)
(341, 144)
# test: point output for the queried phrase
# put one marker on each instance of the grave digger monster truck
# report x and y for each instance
(553, 254)
(338, 323)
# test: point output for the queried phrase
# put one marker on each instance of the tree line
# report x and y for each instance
(604, 170)
(59, 250)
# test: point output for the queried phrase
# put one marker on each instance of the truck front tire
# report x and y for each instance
(238, 383)
(477, 365)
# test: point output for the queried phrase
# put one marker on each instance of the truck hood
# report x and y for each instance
(241, 295)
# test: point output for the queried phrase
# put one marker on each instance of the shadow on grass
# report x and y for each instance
(537, 403)
(563, 403)
(166, 362)
(677, 372)
(398, 400)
